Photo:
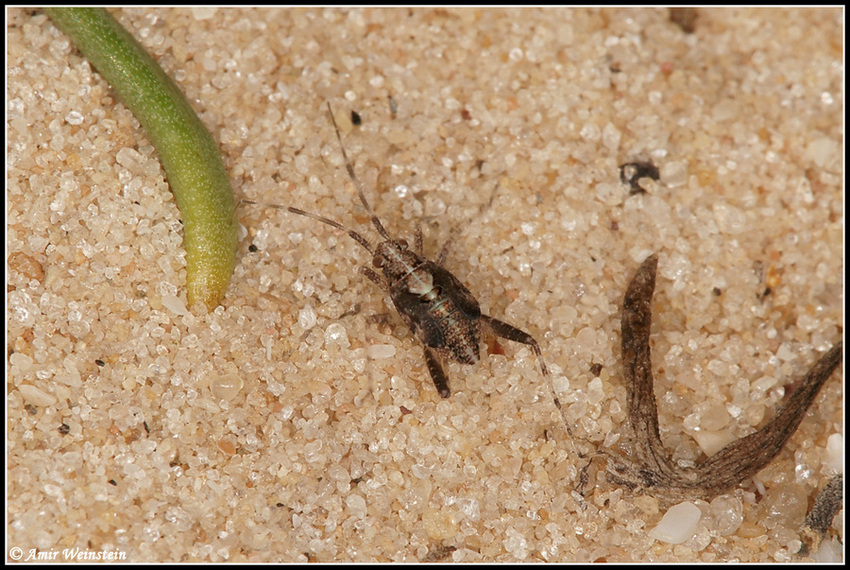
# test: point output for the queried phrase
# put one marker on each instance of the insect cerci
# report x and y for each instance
(434, 304)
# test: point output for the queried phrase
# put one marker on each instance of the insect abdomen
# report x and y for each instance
(460, 335)
(435, 318)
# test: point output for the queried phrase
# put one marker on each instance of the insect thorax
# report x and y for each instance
(403, 268)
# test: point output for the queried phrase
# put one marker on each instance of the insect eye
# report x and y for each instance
(402, 243)
(378, 261)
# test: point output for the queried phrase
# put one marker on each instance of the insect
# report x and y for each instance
(440, 311)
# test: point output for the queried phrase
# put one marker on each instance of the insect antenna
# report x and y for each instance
(348, 166)
(354, 235)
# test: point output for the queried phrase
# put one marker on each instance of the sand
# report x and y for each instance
(297, 421)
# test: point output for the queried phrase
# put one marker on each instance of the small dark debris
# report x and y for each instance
(717, 291)
(758, 270)
(596, 369)
(280, 505)
(615, 226)
(352, 311)
(100, 363)
(685, 18)
(632, 172)
(112, 482)
(405, 411)
(355, 119)
(31, 410)
(437, 553)
(64, 429)
(764, 294)
(147, 429)
(393, 106)
(464, 113)
(356, 480)
(253, 248)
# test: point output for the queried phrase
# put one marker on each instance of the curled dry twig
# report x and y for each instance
(648, 468)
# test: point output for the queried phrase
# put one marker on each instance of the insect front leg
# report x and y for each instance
(444, 252)
(435, 368)
(509, 332)
(456, 229)
(379, 281)
(417, 237)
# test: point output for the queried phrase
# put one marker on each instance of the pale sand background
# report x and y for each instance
(295, 422)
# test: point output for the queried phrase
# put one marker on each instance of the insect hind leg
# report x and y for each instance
(509, 332)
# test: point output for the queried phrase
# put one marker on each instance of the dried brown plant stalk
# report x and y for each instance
(648, 467)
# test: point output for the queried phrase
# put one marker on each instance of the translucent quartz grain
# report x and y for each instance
(678, 524)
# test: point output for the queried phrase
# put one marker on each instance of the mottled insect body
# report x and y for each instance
(434, 304)
(438, 308)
